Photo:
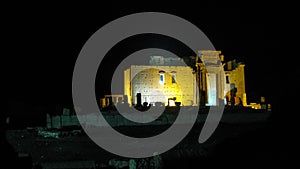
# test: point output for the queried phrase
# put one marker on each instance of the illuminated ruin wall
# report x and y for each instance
(236, 78)
(158, 83)
(214, 75)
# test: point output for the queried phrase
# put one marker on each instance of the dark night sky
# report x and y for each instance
(42, 44)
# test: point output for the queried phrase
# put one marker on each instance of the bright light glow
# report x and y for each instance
(171, 103)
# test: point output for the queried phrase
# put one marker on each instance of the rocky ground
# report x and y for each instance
(64, 147)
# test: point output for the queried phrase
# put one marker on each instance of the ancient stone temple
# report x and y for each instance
(160, 83)
(202, 80)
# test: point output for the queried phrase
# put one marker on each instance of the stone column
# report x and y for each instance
(215, 76)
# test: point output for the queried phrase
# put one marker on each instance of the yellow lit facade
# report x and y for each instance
(160, 83)
(210, 80)
(235, 78)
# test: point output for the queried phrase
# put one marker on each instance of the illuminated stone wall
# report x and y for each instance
(236, 78)
(158, 83)
(214, 75)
